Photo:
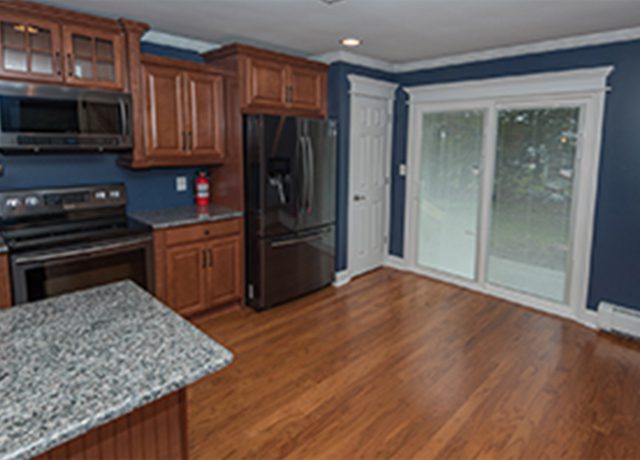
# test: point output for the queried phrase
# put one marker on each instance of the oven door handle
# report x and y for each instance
(90, 251)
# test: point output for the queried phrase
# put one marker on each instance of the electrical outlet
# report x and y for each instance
(181, 184)
(402, 170)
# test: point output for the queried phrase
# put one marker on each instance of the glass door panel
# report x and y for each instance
(530, 233)
(449, 195)
(30, 49)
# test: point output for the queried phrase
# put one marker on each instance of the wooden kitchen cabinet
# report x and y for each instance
(30, 48)
(273, 82)
(224, 276)
(46, 44)
(183, 112)
(93, 57)
(5, 282)
(199, 267)
(186, 272)
(205, 115)
(163, 113)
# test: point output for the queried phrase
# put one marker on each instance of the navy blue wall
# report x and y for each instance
(615, 264)
(147, 189)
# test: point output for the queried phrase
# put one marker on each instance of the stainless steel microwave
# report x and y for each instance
(37, 117)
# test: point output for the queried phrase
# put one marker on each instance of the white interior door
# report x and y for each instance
(369, 163)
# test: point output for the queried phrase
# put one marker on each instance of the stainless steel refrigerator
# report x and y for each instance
(290, 177)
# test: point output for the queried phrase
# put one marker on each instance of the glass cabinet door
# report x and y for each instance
(93, 58)
(30, 49)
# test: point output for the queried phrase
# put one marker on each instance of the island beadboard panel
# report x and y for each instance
(155, 431)
(5, 282)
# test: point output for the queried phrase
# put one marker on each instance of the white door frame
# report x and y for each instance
(364, 87)
(585, 87)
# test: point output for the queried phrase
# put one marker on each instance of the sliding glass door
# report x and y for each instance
(451, 158)
(496, 197)
(532, 202)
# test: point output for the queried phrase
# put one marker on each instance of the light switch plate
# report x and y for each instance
(181, 184)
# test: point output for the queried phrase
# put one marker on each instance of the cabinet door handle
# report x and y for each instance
(69, 65)
(204, 258)
(58, 63)
(210, 258)
(189, 140)
(184, 140)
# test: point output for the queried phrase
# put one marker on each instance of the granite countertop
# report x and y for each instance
(74, 362)
(3, 246)
(176, 217)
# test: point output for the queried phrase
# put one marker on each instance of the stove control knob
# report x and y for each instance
(100, 195)
(12, 203)
(32, 201)
(114, 194)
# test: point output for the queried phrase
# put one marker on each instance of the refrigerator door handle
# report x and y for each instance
(305, 175)
(294, 241)
(312, 185)
(300, 174)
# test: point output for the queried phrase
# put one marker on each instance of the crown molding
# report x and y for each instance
(371, 87)
(587, 80)
(353, 58)
(577, 41)
(177, 41)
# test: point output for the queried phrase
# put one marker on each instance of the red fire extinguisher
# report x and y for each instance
(202, 190)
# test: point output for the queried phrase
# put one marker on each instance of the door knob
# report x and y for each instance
(359, 197)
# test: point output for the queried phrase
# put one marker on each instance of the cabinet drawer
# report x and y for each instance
(202, 231)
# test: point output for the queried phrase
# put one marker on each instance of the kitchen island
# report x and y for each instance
(99, 373)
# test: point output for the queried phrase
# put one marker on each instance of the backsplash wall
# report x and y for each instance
(147, 189)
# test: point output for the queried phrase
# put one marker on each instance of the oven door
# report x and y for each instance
(43, 274)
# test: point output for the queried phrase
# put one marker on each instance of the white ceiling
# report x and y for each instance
(392, 30)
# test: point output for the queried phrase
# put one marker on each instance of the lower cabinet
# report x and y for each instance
(199, 267)
(5, 282)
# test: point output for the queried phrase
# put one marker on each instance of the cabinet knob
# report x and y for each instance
(206, 232)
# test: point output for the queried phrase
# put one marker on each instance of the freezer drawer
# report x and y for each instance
(281, 269)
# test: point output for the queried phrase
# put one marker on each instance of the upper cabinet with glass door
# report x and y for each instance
(30, 49)
(44, 44)
(93, 58)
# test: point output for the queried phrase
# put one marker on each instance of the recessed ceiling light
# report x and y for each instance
(350, 41)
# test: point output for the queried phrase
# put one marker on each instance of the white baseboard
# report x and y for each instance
(588, 318)
(396, 262)
(342, 277)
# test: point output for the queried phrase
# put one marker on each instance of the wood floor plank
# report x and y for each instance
(395, 365)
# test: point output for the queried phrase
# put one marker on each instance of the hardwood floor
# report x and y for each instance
(394, 365)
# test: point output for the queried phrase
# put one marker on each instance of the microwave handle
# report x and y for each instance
(123, 115)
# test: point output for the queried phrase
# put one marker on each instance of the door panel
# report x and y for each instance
(273, 153)
(30, 48)
(288, 267)
(267, 83)
(224, 274)
(319, 154)
(369, 171)
(206, 127)
(530, 237)
(164, 118)
(450, 165)
(93, 58)
(306, 88)
(186, 278)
